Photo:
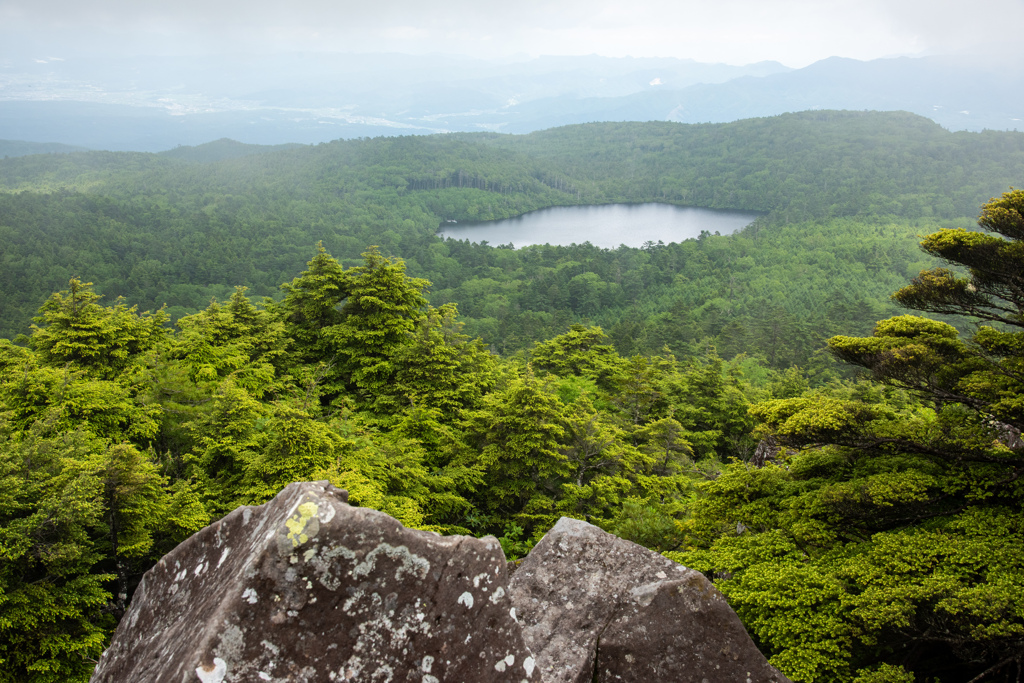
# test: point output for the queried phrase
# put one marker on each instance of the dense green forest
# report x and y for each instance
(844, 195)
(866, 527)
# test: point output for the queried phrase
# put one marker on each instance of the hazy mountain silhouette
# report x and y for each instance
(157, 104)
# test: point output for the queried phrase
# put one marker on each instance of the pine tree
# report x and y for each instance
(890, 535)
(381, 309)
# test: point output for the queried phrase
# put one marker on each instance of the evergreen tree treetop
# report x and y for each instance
(73, 327)
(889, 534)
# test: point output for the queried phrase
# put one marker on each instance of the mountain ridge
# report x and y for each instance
(317, 99)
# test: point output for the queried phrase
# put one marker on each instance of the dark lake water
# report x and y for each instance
(607, 225)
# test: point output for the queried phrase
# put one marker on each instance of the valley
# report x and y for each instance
(819, 412)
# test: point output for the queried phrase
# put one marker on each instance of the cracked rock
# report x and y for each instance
(594, 607)
(307, 588)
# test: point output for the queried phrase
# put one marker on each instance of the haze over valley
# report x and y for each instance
(144, 76)
(156, 103)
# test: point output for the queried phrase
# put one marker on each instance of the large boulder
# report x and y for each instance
(594, 607)
(307, 588)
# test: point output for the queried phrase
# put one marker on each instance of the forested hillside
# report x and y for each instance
(865, 528)
(843, 195)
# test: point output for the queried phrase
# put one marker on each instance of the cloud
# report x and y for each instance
(735, 31)
(986, 28)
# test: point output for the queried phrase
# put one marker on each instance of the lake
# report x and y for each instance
(607, 225)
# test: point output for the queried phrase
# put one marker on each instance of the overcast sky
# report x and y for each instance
(794, 32)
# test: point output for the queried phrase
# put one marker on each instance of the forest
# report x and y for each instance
(844, 196)
(755, 406)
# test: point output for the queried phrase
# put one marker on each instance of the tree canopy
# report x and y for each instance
(883, 542)
(865, 528)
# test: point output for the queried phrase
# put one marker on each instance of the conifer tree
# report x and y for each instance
(381, 309)
(518, 432)
(53, 617)
(890, 538)
(441, 367)
(72, 327)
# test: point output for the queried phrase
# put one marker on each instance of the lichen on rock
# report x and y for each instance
(309, 589)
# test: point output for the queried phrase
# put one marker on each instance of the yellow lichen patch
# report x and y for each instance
(298, 522)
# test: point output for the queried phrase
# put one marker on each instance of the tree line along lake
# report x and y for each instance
(606, 225)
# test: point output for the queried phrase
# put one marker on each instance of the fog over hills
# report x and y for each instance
(158, 103)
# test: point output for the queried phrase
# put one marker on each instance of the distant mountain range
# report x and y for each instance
(158, 104)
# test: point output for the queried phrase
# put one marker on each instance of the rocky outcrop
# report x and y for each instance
(307, 588)
(594, 607)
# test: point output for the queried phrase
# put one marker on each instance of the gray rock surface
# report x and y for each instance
(307, 588)
(594, 607)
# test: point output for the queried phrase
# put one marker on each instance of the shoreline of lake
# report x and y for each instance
(604, 225)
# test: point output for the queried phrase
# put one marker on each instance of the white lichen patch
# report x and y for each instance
(510, 660)
(223, 556)
(327, 513)
(214, 675)
(497, 595)
(409, 562)
(427, 664)
(529, 664)
(500, 666)
(645, 594)
(478, 578)
(352, 601)
(512, 613)
(249, 595)
(466, 599)
(327, 571)
(232, 644)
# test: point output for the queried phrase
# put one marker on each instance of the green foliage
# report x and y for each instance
(381, 309)
(291, 446)
(53, 624)
(83, 503)
(237, 340)
(517, 432)
(441, 367)
(104, 341)
(886, 545)
(862, 530)
(884, 673)
(579, 351)
(844, 193)
(641, 522)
